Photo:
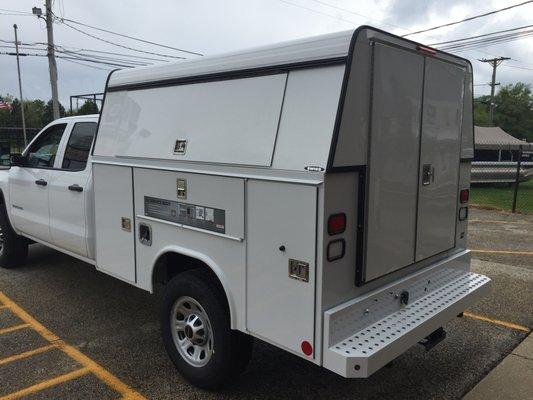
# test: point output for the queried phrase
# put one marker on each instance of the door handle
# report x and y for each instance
(75, 188)
(41, 182)
(428, 174)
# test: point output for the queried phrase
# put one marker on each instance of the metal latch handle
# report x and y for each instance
(428, 174)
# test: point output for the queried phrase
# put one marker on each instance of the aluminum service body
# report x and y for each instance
(239, 160)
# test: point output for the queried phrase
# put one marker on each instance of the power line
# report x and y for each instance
(319, 12)
(112, 53)
(87, 65)
(485, 39)
(127, 36)
(122, 46)
(62, 20)
(66, 58)
(480, 36)
(81, 50)
(356, 13)
(518, 67)
(103, 58)
(469, 18)
(470, 44)
(18, 15)
(485, 43)
(16, 11)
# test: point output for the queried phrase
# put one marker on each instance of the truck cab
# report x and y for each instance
(48, 192)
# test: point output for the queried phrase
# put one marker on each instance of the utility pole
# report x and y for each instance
(52, 58)
(494, 62)
(20, 87)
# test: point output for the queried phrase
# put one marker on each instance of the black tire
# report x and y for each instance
(13, 247)
(231, 349)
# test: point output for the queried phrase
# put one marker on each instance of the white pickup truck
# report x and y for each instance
(312, 194)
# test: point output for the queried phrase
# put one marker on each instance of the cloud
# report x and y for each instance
(210, 26)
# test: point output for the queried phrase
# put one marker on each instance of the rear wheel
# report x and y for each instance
(196, 331)
(13, 247)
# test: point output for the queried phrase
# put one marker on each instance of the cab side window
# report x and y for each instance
(42, 152)
(79, 145)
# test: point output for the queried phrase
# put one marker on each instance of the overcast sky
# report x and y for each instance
(214, 26)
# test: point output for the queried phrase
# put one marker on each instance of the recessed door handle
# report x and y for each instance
(41, 182)
(428, 174)
(75, 188)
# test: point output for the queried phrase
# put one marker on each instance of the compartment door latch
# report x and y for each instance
(299, 270)
(428, 174)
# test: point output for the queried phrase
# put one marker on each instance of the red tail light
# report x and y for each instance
(336, 223)
(464, 196)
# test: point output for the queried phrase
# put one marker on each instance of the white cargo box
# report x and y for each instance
(319, 180)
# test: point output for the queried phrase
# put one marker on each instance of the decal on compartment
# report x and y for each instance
(211, 219)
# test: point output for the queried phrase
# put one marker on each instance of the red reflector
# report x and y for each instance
(307, 349)
(464, 195)
(336, 223)
(426, 50)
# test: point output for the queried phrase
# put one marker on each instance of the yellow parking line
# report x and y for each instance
(102, 373)
(26, 354)
(501, 222)
(13, 328)
(111, 380)
(2, 306)
(494, 321)
(46, 384)
(522, 253)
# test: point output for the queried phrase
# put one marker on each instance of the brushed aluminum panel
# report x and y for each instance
(440, 148)
(393, 160)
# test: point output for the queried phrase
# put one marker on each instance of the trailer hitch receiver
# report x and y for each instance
(433, 339)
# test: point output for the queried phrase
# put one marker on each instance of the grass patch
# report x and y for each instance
(501, 197)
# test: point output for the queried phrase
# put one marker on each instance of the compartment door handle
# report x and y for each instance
(428, 173)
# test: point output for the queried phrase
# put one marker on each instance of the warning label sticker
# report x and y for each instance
(212, 219)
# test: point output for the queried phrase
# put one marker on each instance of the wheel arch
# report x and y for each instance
(4, 203)
(171, 261)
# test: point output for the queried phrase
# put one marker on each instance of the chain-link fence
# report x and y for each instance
(12, 141)
(502, 178)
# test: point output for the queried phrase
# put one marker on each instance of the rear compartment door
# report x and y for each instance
(413, 159)
(393, 160)
(439, 157)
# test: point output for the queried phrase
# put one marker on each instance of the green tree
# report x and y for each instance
(48, 112)
(514, 110)
(481, 111)
(89, 107)
(34, 111)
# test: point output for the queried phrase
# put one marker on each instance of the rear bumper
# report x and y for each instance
(366, 333)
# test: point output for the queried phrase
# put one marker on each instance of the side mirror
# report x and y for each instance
(17, 160)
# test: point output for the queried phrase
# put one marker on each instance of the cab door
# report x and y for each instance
(68, 190)
(28, 184)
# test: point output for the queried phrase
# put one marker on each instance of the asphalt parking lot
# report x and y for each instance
(101, 337)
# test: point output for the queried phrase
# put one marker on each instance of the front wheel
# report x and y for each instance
(195, 325)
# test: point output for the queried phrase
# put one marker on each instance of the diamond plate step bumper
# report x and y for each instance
(365, 334)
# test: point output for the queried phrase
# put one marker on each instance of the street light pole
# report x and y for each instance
(20, 88)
